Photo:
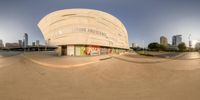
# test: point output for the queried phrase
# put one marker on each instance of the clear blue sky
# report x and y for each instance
(145, 20)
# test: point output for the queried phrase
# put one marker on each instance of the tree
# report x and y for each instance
(154, 46)
(162, 47)
(182, 47)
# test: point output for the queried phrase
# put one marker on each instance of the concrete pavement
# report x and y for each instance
(111, 79)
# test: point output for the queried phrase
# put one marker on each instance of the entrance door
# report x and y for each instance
(64, 50)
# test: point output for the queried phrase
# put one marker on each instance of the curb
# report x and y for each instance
(65, 66)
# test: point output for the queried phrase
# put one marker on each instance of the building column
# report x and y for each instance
(59, 51)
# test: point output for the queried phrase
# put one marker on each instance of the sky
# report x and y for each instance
(145, 20)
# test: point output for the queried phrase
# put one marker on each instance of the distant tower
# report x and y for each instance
(163, 41)
(176, 40)
(20, 43)
(25, 40)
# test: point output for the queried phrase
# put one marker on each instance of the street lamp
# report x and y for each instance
(143, 46)
(190, 42)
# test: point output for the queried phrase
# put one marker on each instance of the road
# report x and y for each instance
(111, 79)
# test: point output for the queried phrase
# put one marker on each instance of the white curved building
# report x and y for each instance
(84, 32)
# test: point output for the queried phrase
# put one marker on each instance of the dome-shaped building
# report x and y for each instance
(79, 32)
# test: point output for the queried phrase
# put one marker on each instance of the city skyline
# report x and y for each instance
(145, 20)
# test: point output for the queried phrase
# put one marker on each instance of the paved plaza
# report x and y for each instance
(28, 76)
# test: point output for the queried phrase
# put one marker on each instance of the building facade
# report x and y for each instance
(163, 41)
(12, 45)
(176, 40)
(79, 32)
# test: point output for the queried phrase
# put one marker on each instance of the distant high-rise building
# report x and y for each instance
(163, 41)
(25, 40)
(1, 44)
(190, 44)
(20, 43)
(33, 44)
(134, 45)
(197, 46)
(176, 40)
(37, 43)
